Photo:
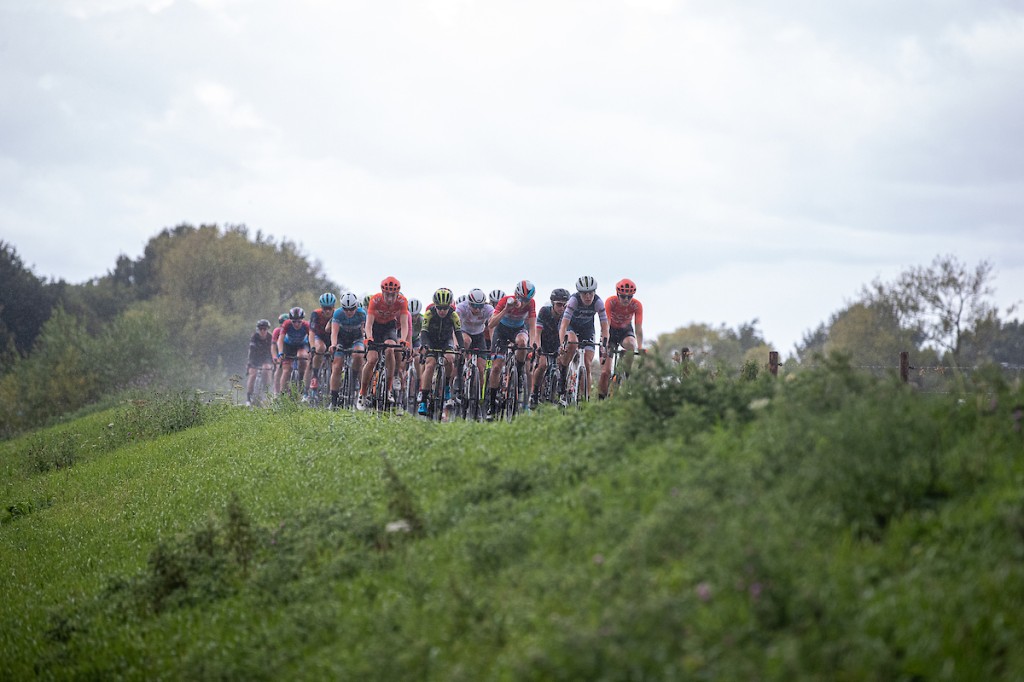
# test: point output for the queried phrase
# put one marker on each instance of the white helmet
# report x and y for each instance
(585, 284)
(415, 307)
(477, 297)
(495, 296)
(349, 301)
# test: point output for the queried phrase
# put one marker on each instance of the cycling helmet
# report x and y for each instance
(525, 289)
(327, 300)
(560, 295)
(390, 285)
(586, 284)
(461, 299)
(296, 313)
(443, 297)
(625, 287)
(282, 317)
(263, 324)
(349, 301)
(495, 296)
(476, 297)
(415, 307)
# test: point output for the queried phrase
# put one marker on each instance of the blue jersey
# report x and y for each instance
(350, 326)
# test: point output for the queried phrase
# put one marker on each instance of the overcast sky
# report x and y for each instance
(737, 159)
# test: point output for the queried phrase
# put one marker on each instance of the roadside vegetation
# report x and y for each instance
(704, 524)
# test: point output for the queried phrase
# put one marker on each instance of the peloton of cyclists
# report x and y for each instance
(623, 312)
(442, 329)
(514, 321)
(347, 325)
(387, 322)
(577, 325)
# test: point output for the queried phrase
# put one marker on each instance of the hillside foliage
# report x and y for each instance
(700, 525)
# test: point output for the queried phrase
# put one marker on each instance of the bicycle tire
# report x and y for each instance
(512, 391)
(473, 396)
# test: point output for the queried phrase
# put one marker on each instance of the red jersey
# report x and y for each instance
(621, 315)
(516, 314)
(384, 312)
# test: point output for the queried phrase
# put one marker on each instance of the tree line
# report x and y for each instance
(181, 315)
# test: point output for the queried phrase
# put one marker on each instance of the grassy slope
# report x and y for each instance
(847, 529)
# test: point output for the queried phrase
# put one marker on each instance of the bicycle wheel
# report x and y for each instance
(473, 404)
(437, 392)
(512, 391)
(412, 385)
(583, 385)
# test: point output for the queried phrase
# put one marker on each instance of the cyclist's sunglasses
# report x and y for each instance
(477, 306)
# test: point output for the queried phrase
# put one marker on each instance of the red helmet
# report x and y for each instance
(625, 287)
(390, 285)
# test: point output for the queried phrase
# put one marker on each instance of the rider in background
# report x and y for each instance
(275, 338)
(514, 321)
(547, 324)
(347, 327)
(577, 325)
(261, 359)
(293, 345)
(387, 319)
(623, 311)
(320, 332)
(474, 313)
(442, 329)
(416, 320)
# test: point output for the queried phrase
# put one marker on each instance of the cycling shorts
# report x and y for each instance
(349, 342)
(292, 351)
(616, 335)
(584, 334)
(385, 331)
(477, 341)
(505, 335)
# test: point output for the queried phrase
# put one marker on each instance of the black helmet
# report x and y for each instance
(263, 324)
(560, 295)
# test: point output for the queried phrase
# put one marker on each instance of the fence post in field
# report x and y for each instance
(773, 362)
(904, 366)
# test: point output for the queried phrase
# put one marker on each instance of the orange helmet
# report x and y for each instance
(625, 287)
(390, 285)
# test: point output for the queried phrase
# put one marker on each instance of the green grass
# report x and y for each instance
(826, 527)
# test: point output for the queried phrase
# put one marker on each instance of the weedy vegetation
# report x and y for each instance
(700, 525)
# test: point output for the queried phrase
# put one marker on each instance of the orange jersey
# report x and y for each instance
(622, 314)
(384, 312)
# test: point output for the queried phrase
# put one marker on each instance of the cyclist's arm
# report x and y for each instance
(406, 327)
(563, 329)
(334, 333)
(531, 324)
(368, 325)
(496, 318)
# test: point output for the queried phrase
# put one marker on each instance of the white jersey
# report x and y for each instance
(474, 319)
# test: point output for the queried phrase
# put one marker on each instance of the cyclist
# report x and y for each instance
(623, 311)
(514, 321)
(577, 325)
(320, 332)
(474, 313)
(387, 319)
(492, 298)
(274, 338)
(293, 345)
(441, 330)
(347, 326)
(416, 320)
(548, 319)
(261, 359)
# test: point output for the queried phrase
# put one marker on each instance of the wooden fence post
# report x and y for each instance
(904, 366)
(773, 362)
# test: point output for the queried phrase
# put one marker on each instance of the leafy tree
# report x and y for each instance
(25, 303)
(869, 334)
(940, 302)
(716, 345)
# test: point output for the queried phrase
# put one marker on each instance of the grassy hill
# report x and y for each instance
(829, 526)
